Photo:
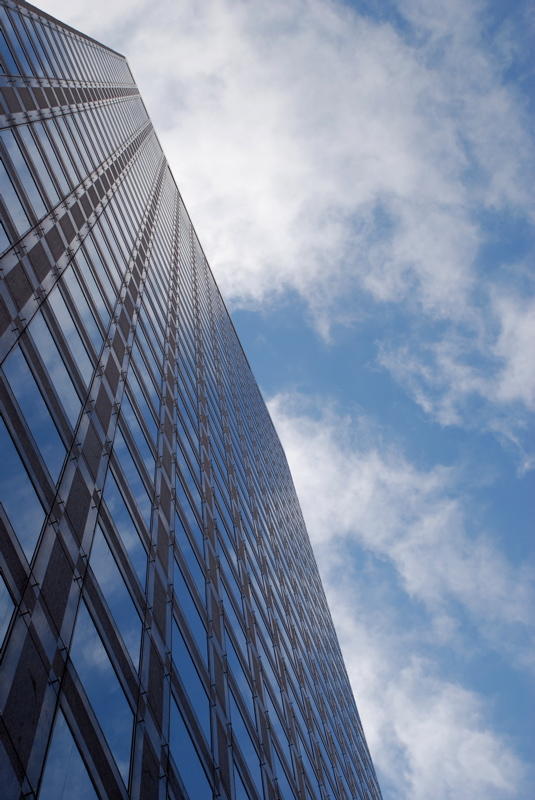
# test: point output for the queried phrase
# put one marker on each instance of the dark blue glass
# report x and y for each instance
(189, 610)
(35, 411)
(17, 495)
(103, 689)
(6, 609)
(116, 594)
(191, 681)
(12, 202)
(126, 527)
(65, 776)
(56, 368)
(187, 759)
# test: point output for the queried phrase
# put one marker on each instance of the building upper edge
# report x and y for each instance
(56, 21)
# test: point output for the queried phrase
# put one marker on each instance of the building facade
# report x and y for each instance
(163, 628)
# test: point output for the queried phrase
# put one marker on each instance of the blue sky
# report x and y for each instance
(361, 177)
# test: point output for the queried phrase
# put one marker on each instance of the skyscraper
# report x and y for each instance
(163, 626)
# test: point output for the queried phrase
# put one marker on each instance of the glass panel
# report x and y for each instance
(103, 689)
(65, 776)
(44, 176)
(8, 64)
(239, 675)
(128, 413)
(241, 792)
(285, 790)
(6, 609)
(4, 241)
(189, 610)
(70, 331)
(191, 559)
(44, 141)
(185, 754)
(12, 202)
(117, 595)
(82, 307)
(35, 411)
(55, 366)
(191, 681)
(130, 471)
(23, 173)
(241, 736)
(125, 525)
(18, 496)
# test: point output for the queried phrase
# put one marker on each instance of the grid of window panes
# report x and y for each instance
(163, 627)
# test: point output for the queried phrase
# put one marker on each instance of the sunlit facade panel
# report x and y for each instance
(163, 628)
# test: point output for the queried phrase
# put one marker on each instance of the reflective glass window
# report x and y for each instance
(4, 241)
(52, 158)
(23, 173)
(6, 609)
(132, 475)
(35, 411)
(188, 552)
(17, 495)
(7, 61)
(128, 414)
(285, 789)
(25, 133)
(126, 527)
(239, 675)
(69, 279)
(70, 331)
(240, 791)
(191, 681)
(12, 202)
(241, 736)
(59, 376)
(188, 608)
(117, 595)
(103, 689)
(185, 755)
(16, 46)
(65, 776)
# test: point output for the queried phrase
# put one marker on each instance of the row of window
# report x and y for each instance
(43, 161)
(32, 45)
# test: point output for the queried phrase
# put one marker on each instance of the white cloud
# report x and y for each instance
(322, 151)
(295, 127)
(417, 519)
(429, 735)
(492, 370)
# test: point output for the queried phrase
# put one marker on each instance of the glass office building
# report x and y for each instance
(163, 628)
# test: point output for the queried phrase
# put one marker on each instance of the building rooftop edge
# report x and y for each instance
(59, 22)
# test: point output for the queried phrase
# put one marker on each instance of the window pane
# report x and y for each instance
(125, 525)
(117, 595)
(55, 366)
(191, 681)
(70, 331)
(6, 609)
(103, 689)
(65, 776)
(185, 754)
(18, 496)
(189, 610)
(241, 736)
(12, 202)
(35, 411)
(130, 471)
(23, 173)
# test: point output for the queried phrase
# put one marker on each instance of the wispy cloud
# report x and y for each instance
(363, 499)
